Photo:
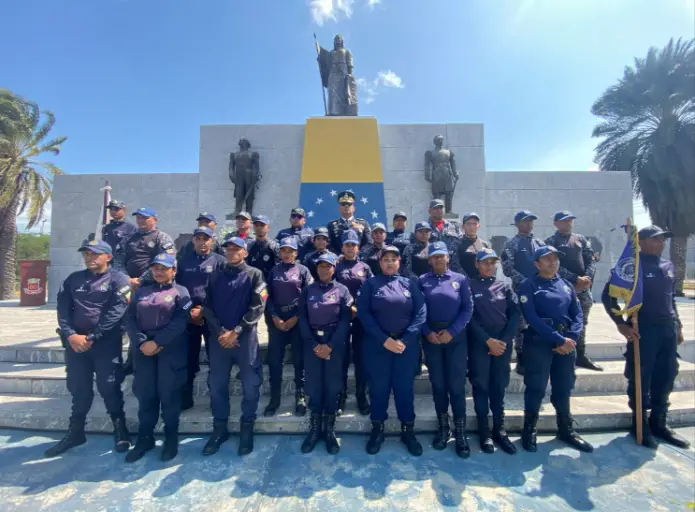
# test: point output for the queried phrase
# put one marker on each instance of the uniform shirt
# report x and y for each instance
(193, 272)
(398, 238)
(517, 257)
(576, 256)
(135, 254)
(353, 274)
(304, 237)
(285, 285)
(466, 254)
(92, 304)
(448, 300)
(414, 261)
(116, 231)
(370, 254)
(337, 227)
(248, 236)
(263, 255)
(311, 260)
(495, 310)
(450, 234)
(235, 297)
(159, 312)
(548, 303)
(325, 306)
(390, 306)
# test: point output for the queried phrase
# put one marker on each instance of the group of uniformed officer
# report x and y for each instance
(360, 294)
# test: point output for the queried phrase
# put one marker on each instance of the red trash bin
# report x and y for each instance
(33, 275)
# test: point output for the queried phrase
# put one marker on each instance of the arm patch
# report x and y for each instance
(188, 305)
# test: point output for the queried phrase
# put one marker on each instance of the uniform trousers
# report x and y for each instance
(489, 377)
(324, 376)
(447, 365)
(543, 364)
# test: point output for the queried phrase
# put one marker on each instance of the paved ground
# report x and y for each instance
(618, 476)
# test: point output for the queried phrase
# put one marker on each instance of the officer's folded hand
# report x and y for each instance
(323, 351)
(354, 312)
(290, 323)
(566, 348)
(228, 339)
(395, 346)
(629, 333)
(150, 348)
(433, 338)
(444, 336)
(497, 347)
(279, 324)
(79, 343)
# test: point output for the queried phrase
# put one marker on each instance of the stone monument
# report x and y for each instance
(245, 173)
(440, 171)
(336, 67)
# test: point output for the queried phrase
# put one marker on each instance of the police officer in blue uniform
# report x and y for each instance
(321, 245)
(234, 303)
(551, 308)
(518, 264)
(352, 273)
(118, 229)
(660, 332)
(286, 281)
(194, 270)
(392, 311)
(325, 309)
(264, 252)
(490, 335)
(347, 221)
(91, 305)
(204, 220)
(415, 257)
(469, 246)
(370, 252)
(399, 238)
(156, 325)
(449, 309)
(303, 234)
(443, 230)
(244, 223)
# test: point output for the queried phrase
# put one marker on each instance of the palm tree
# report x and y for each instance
(25, 182)
(648, 128)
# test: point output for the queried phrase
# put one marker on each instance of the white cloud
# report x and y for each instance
(370, 89)
(324, 10)
(373, 3)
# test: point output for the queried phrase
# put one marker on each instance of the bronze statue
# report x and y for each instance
(245, 173)
(336, 76)
(440, 171)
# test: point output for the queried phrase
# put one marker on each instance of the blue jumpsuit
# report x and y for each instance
(495, 315)
(391, 306)
(304, 237)
(235, 297)
(450, 307)
(159, 313)
(94, 305)
(324, 317)
(551, 308)
(116, 231)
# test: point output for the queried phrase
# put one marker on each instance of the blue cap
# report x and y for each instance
(289, 241)
(207, 216)
(96, 246)
(146, 211)
(400, 215)
(486, 254)
(544, 251)
(206, 231)
(523, 215)
(166, 259)
(263, 219)
(328, 257)
(389, 249)
(116, 204)
(350, 237)
(243, 215)
(436, 203)
(653, 231)
(235, 240)
(378, 225)
(437, 248)
(564, 215)
(470, 215)
(423, 225)
(321, 232)
(298, 211)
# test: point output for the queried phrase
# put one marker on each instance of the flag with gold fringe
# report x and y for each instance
(626, 278)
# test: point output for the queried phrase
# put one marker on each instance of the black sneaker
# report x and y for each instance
(143, 445)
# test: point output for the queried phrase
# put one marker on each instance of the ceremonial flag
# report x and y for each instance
(626, 278)
(104, 216)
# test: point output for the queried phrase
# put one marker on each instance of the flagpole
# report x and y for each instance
(636, 354)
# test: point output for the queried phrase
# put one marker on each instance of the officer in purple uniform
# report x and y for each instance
(234, 303)
(352, 272)
(286, 281)
(552, 310)
(392, 311)
(156, 325)
(324, 320)
(490, 338)
(321, 247)
(91, 305)
(449, 309)
(194, 270)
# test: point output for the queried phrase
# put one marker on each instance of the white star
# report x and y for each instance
(310, 213)
(319, 200)
(334, 193)
(374, 214)
(364, 200)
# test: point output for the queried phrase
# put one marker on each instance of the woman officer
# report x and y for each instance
(392, 311)
(449, 309)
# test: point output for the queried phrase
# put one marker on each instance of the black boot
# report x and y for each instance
(462, 448)
(528, 435)
(659, 427)
(408, 438)
(443, 432)
(315, 432)
(499, 435)
(583, 361)
(121, 436)
(219, 435)
(520, 368)
(566, 433)
(246, 438)
(187, 397)
(342, 398)
(171, 444)
(143, 444)
(486, 443)
(74, 437)
(647, 437)
(274, 403)
(332, 445)
(363, 405)
(376, 438)
(299, 402)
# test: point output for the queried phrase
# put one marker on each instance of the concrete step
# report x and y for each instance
(596, 411)
(49, 380)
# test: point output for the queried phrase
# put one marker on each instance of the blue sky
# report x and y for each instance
(131, 81)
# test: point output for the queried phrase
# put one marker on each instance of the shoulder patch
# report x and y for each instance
(123, 290)
(523, 299)
(262, 290)
(187, 305)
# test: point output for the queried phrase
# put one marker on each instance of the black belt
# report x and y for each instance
(395, 335)
(437, 326)
(325, 331)
(286, 309)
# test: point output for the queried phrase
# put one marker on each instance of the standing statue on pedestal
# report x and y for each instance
(336, 76)
(440, 171)
(245, 173)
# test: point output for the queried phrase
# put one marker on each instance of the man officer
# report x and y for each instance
(347, 221)
(466, 254)
(303, 234)
(415, 259)
(399, 238)
(444, 230)
(264, 252)
(204, 220)
(118, 229)
(578, 266)
(243, 227)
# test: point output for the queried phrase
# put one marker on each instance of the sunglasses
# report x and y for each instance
(296, 216)
(345, 203)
